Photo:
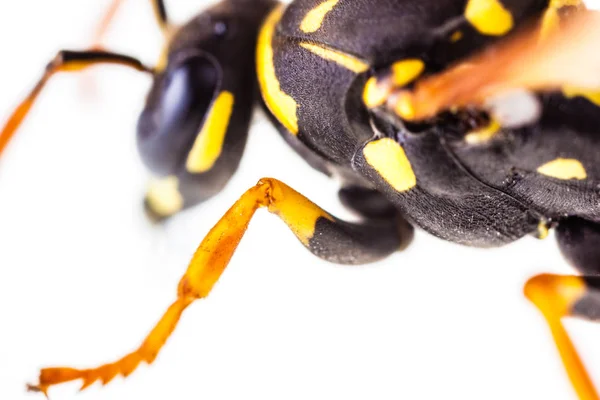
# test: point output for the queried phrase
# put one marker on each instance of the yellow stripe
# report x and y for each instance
(593, 96)
(281, 105)
(209, 142)
(345, 60)
(564, 168)
(489, 17)
(314, 18)
(388, 158)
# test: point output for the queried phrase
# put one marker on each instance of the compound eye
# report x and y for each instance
(175, 109)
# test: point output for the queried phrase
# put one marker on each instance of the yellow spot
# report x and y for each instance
(564, 169)
(376, 93)
(456, 36)
(543, 230)
(298, 212)
(406, 71)
(489, 17)
(345, 60)
(483, 135)
(314, 18)
(593, 96)
(209, 142)
(404, 106)
(281, 105)
(388, 158)
(163, 196)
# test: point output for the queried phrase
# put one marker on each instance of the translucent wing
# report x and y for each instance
(570, 56)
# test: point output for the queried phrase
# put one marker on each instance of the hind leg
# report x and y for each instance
(572, 296)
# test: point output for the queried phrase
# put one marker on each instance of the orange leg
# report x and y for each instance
(563, 296)
(321, 233)
(65, 61)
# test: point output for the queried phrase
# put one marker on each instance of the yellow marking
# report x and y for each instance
(564, 169)
(388, 158)
(281, 105)
(543, 230)
(376, 93)
(315, 17)
(404, 106)
(345, 60)
(403, 72)
(209, 142)
(489, 17)
(406, 71)
(456, 36)
(551, 19)
(550, 23)
(483, 135)
(163, 196)
(591, 95)
(298, 212)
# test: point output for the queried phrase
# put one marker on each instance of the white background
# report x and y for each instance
(83, 276)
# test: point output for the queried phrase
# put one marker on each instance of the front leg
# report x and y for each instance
(324, 235)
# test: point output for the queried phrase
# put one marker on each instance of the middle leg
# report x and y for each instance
(324, 235)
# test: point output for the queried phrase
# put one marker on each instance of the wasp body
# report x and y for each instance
(335, 84)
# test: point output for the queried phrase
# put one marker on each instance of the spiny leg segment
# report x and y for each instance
(327, 237)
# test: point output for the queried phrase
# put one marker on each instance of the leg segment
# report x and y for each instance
(572, 296)
(65, 61)
(568, 296)
(324, 235)
(160, 13)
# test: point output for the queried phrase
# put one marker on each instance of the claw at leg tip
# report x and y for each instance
(39, 388)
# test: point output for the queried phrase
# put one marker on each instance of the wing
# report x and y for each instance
(569, 56)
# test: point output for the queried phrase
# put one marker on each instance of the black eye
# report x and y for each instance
(174, 113)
